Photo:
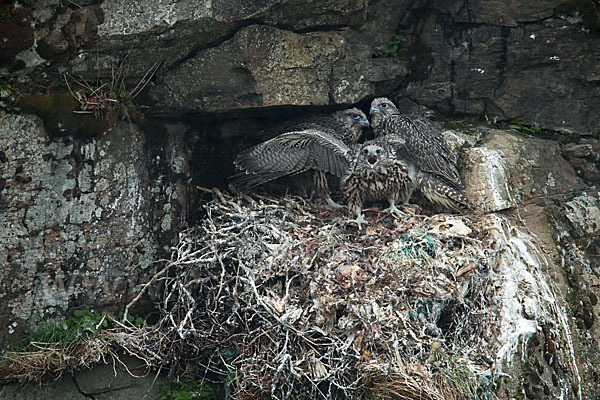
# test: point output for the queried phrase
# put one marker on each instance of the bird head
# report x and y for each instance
(356, 117)
(381, 108)
(382, 105)
(372, 153)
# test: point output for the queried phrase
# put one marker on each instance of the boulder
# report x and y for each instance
(506, 169)
(262, 66)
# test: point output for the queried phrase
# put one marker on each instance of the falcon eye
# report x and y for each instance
(365, 151)
(355, 116)
(383, 105)
(378, 151)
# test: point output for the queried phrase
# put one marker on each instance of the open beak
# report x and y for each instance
(372, 158)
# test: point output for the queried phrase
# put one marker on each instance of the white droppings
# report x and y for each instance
(532, 36)
(528, 300)
(550, 181)
(496, 187)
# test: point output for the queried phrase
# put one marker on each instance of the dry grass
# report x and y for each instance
(55, 359)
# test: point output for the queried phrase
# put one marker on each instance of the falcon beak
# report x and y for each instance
(374, 109)
(372, 157)
(365, 123)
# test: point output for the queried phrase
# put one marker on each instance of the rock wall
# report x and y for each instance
(86, 210)
(547, 279)
(508, 60)
(110, 381)
(500, 61)
(82, 221)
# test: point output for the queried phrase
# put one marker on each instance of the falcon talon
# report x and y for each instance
(392, 209)
(333, 204)
(360, 219)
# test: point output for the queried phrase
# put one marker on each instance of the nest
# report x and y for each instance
(283, 300)
(286, 301)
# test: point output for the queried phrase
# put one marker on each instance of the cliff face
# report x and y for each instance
(89, 203)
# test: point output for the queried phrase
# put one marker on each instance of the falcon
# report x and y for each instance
(431, 164)
(318, 143)
(374, 174)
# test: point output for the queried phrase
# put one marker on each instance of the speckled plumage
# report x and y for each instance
(375, 174)
(317, 142)
(431, 163)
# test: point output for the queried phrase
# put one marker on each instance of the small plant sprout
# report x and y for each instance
(392, 48)
(107, 97)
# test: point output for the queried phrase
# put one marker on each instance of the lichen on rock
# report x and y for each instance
(75, 217)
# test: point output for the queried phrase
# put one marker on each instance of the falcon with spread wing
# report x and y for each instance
(431, 163)
(319, 143)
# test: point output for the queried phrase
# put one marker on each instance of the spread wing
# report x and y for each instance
(291, 153)
(425, 146)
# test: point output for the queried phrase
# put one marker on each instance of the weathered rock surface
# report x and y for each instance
(103, 382)
(114, 382)
(263, 66)
(547, 279)
(63, 389)
(484, 58)
(583, 212)
(504, 170)
(80, 221)
(584, 157)
(508, 60)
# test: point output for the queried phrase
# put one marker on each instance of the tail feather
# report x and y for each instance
(439, 192)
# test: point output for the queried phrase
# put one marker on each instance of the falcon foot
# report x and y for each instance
(360, 219)
(392, 209)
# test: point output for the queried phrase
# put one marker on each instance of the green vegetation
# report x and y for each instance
(571, 299)
(521, 126)
(460, 381)
(392, 48)
(5, 87)
(187, 389)
(82, 325)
